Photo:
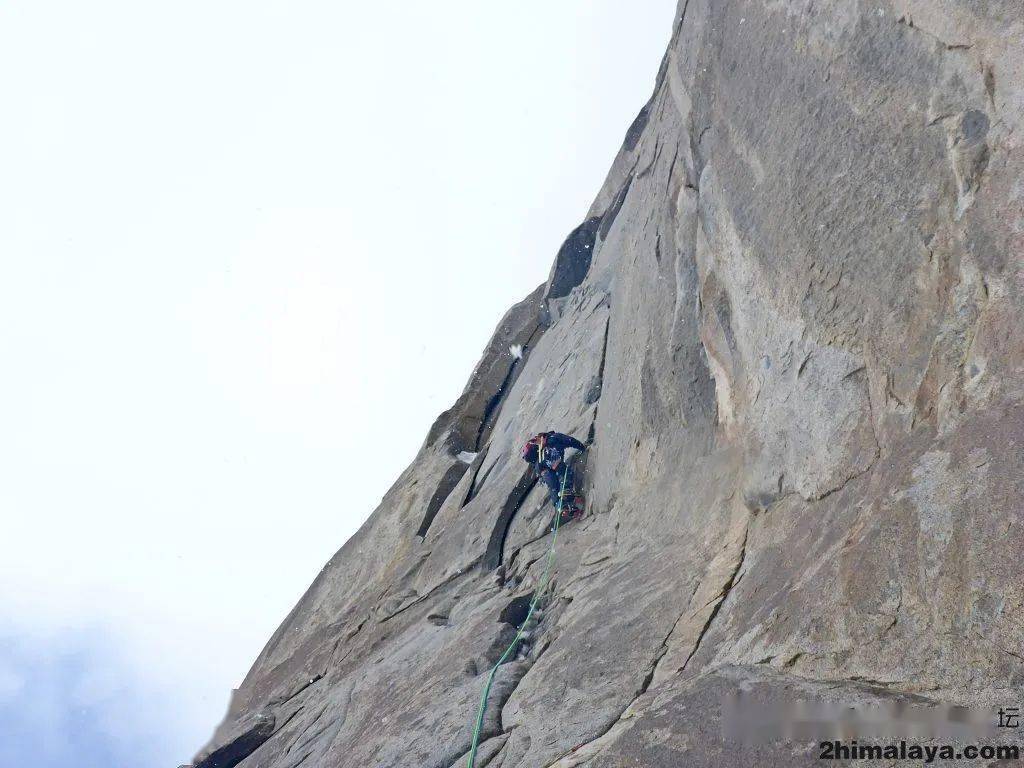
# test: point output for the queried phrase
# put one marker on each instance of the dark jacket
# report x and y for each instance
(555, 444)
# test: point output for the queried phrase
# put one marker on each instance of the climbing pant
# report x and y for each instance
(556, 480)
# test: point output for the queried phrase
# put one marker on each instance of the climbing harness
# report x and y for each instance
(541, 587)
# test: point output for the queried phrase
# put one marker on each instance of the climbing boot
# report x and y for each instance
(576, 507)
(573, 510)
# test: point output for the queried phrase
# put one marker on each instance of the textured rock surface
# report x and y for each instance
(792, 325)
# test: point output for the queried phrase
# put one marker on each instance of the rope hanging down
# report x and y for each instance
(541, 586)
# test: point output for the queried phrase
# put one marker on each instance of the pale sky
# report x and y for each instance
(249, 251)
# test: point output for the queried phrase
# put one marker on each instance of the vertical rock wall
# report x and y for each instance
(792, 326)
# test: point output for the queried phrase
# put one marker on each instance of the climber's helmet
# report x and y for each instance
(531, 451)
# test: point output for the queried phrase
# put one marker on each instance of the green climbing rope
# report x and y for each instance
(541, 586)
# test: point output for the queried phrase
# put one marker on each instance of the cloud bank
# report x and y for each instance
(69, 699)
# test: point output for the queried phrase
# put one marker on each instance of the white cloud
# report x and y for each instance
(81, 702)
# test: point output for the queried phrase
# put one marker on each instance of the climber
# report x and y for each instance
(546, 452)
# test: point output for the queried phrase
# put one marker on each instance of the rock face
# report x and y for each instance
(792, 326)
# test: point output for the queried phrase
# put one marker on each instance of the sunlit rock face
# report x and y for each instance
(791, 326)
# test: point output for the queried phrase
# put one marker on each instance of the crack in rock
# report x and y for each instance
(454, 577)
(711, 593)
